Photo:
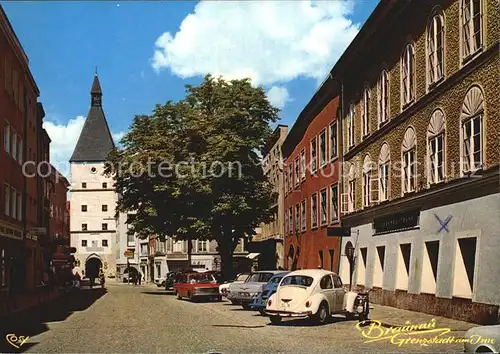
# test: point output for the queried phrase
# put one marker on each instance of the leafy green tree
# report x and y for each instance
(191, 170)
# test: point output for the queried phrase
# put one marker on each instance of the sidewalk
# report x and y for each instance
(390, 316)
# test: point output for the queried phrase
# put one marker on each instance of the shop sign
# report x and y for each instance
(338, 231)
(396, 222)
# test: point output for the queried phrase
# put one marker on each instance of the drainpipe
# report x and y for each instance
(341, 158)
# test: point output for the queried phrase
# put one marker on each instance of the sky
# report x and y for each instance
(146, 52)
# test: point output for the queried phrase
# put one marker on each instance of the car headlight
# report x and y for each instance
(254, 294)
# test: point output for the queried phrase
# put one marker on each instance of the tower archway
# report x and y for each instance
(92, 265)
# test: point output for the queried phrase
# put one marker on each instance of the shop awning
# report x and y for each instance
(253, 255)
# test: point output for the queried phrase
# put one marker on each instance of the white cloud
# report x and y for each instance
(63, 141)
(278, 96)
(269, 41)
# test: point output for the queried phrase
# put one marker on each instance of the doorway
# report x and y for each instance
(92, 266)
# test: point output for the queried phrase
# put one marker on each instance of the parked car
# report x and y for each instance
(197, 286)
(315, 294)
(245, 293)
(173, 277)
(160, 282)
(240, 278)
(259, 303)
(485, 339)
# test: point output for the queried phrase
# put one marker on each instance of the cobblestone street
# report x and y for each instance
(126, 319)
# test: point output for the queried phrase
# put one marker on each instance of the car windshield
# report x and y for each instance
(299, 280)
(260, 277)
(242, 277)
(202, 278)
(276, 280)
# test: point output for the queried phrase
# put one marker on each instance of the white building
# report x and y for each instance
(93, 199)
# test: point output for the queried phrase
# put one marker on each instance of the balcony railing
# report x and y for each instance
(177, 256)
(94, 249)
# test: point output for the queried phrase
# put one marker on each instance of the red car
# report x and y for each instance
(197, 286)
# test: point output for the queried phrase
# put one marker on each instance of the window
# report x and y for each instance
(383, 172)
(351, 199)
(84, 227)
(286, 222)
(409, 161)
(104, 227)
(320, 254)
(19, 207)
(7, 200)
(290, 177)
(303, 222)
(366, 112)
(313, 155)
(435, 49)
(472, 131)
(314, 211)
(13, 200)
(367, 181)
(303, 164)
(408, 75)
(6, 139)
(435, 148)
(337, 282)
(322, 148)
(84, 243)
(14, 145)
(334, 203)
(333, 140)
(350, 126)
(286, 180)
(20, 150)
(202, 246)
(104, 185)
(297, 171)
(104, 243)
(324, 206)
(297, 217)
(84, 208)
(290, 220)
(104, 207)
(472, 36)
(84, 185)
(326, 282)
(383, 98)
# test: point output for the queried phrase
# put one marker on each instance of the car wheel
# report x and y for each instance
(262, 312)
(245, 306)
(234, 302)
(219, 298)
(321, 316)
(275, 320)
(179, 297)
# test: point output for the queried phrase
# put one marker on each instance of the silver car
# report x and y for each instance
(245, 293)
(485, 339)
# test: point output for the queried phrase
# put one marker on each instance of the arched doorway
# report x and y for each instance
(92, 266)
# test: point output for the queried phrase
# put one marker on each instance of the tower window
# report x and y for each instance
(84, 208)
(104, 207)
(84, 243)
(84, 185)
(104, 227)
(104, 185)
(84, 227)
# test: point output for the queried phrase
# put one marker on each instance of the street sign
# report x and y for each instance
(38, 230)
(128, 253)
(338, 231)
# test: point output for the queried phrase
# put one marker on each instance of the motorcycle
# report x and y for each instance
(362, 305)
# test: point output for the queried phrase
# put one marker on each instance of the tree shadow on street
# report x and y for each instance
(34, 321)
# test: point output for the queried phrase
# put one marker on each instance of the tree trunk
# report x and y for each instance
(189, 250)
(226, 249)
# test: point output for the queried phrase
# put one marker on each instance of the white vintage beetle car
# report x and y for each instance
(314, 293)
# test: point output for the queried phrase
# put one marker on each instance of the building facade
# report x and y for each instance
(421, 157)
(20, 134)
(93, 197)
(267, 244)
(311, 176)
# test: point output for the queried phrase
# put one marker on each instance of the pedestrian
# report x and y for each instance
(140, 279)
